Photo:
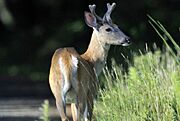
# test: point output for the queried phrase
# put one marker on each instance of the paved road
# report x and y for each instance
(24, 109)
(21, 98)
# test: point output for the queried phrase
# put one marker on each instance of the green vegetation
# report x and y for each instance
(45, 111)
(150, 91)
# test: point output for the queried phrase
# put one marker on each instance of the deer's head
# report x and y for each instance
(106, 30)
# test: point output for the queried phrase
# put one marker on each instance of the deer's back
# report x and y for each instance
(67, 62)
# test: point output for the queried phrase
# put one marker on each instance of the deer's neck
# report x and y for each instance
(97, 52)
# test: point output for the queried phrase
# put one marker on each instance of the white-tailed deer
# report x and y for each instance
(75, 73)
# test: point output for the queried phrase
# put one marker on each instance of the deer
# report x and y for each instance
(75, 73)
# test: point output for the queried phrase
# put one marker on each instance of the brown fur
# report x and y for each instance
(87, 80)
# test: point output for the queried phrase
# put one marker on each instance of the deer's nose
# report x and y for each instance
(127, 40)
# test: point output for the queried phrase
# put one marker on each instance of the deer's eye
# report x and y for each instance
(108, 29)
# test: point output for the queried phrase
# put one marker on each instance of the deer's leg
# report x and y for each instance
(69, 110)
(90, 104)
(74, 111)
(60, 104)
(79, 107)
(61, 101)
(82, 101)
(86, 113)
(77, 112)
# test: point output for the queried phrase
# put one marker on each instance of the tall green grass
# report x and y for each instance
(150, 91)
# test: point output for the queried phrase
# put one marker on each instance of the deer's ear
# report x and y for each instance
(90, 19)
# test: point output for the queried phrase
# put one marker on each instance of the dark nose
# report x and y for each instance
(127, 40)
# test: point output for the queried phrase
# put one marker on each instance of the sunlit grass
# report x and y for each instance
(150, 91)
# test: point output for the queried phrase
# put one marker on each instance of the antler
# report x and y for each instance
(92, 9)
(110, 8)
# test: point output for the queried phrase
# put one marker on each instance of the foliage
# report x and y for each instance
(150, 91)
(45, 111)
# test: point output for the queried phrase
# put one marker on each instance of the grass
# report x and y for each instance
(150, 91)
